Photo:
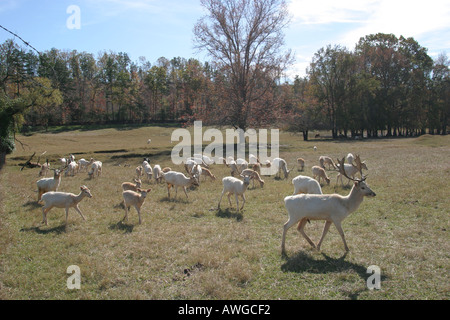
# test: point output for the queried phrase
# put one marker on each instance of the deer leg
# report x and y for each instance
(220, 200)
(139, 213)
(126, 213)
(341, 232)
(44, 213)
(67, 214)
(300, 228)
(221, 196)
(243, 201)
(79, 211)
(286, 227)
(324, 232)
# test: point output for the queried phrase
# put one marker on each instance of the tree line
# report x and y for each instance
(385, 86)
(102, 89)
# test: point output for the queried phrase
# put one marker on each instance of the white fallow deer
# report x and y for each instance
(333, 208)
(55, 199)
(136, 199)
(232, 185)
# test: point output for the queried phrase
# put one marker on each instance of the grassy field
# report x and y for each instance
(187, 249)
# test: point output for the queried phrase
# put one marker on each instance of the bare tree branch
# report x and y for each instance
(245, 38)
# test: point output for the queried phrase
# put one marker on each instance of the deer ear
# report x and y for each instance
(148, 190)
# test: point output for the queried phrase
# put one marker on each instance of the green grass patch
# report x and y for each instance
(188, 249)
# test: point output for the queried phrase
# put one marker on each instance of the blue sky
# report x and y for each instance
(156, 28)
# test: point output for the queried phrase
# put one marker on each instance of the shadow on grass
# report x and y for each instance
(31, 205)
(143, 154)
(57, 230)
(175, 200)
(303, 262)
(92, 127)
(120, 226)
(229, 214)
(120, 205)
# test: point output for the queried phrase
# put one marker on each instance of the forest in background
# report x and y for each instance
(385, 86)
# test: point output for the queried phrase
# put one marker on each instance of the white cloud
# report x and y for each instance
(298, 69)
(321, 22)
(400, 17)
(410, 19)
(331, 11)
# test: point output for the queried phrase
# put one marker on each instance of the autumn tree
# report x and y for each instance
(12, 76)
(328, 73)
(156, 81)
(9, 108)
(306, 113)
(20, 90)
(244, 38)
(90, 86)
(385, 65)
(440, 112)
(415, 91)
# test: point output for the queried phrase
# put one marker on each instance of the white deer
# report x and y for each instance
(333, 208)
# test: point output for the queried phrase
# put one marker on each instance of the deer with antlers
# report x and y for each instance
(351, 169)
(333, 208)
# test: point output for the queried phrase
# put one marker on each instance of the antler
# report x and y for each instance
(342, 169)
(358, 164)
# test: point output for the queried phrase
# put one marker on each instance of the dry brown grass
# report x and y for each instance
(187, 249)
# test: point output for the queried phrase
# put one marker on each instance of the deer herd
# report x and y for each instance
(305, 204)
